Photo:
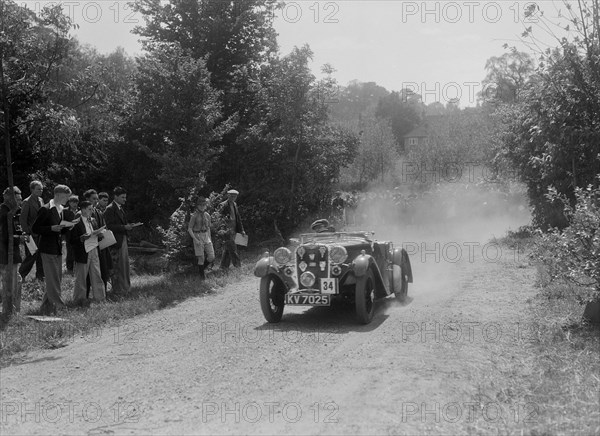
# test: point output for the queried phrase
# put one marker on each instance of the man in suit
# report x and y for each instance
(11, 293)
(104, 255)
(103, 200)
(116, 221)
(29, 212)
(48, 226)
(229, 210)
(70, 213)
(85, 256)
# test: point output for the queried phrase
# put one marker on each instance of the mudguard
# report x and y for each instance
(265, 266)
(361, 263)
(401, 258)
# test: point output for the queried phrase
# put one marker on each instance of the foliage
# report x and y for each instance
(177, 240)
(573, 254)
(173, 126)
(403, 110)
(553, 133)
(507, 76)
(376, 154)
(32, 49)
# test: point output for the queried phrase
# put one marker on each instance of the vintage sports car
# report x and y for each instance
(332, 265)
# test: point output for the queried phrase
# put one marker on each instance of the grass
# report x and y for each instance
(551, 377)
(148, 293)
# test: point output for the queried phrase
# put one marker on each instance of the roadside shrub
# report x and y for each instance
(176, 239)
(573, 254)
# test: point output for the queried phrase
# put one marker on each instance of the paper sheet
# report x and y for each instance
(241, 239)
(31, 245)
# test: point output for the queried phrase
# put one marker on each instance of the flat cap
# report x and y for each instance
(319, 223)
(233, 192)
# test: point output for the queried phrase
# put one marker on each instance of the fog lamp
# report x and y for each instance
(307, 279)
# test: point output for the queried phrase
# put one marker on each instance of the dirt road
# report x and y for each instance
(438, 364)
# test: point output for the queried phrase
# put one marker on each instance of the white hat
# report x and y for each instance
(233, 191)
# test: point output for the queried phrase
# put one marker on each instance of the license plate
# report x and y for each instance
(308, 300)
(329, 286)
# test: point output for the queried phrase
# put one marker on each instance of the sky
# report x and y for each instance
(436, 48)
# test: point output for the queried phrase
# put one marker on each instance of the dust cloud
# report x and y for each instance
(448, 226)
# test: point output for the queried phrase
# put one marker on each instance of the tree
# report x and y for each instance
(237, 39)
(377, 152)
(292, 152)
(403, 110)
(30, 49)
(553, 134)
(173, 128)
(507, 76)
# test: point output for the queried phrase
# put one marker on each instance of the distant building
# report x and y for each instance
(433, 126)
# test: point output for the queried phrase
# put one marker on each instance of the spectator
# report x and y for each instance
(199, 230)
(48, 226)
(85, 255)
(104, 255)
(229, 210)
(29, 211)
(103, 200)
(116, 221)
(70, 213)
(338, 206)
(11, 292)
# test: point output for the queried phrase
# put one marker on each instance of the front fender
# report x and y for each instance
(361, 263)
(401, 258)
(265, 266)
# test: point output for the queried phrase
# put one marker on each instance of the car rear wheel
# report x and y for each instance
(364, 298)
(400, 283)
(271, 298)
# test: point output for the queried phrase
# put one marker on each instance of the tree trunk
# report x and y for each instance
(7, 303)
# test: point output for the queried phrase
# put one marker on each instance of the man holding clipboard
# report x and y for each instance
(50, 225)
(84, 240)
(116, 221)
(230, 212)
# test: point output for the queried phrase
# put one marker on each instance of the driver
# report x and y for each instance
(322, 225)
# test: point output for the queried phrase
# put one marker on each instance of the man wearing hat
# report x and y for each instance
(199, 230)
(322, 225)
(229, 211)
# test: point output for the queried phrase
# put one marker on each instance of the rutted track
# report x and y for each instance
(212, 365)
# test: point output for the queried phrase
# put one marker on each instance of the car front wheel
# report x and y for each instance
(400, 283)
(364, 297)
(271, 298)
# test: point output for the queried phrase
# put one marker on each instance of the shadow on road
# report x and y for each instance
(339, 318)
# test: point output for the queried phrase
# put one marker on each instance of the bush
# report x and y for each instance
(177, 240)
(573, 254)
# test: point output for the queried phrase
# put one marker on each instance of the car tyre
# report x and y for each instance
(400, 283)
(271, 298)
(364, 297)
